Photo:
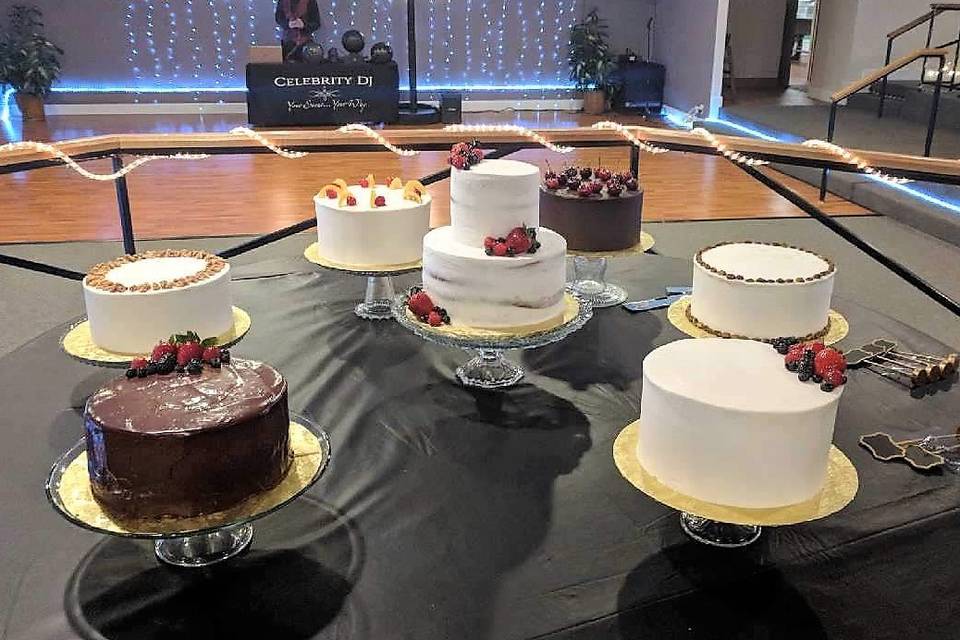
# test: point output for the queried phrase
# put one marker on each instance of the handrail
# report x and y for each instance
(915, 167)
(916, 22)
(886, 70)
(935, 8)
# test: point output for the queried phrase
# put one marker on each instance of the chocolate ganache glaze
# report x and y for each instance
(184, 445)
(596, 223)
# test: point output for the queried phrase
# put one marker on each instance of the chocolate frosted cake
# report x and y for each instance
(594, 209)
(187, 444)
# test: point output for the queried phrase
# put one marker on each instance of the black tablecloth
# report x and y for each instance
(452, 513)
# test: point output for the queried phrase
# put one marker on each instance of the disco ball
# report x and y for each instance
(352, 41)
(381, 53)
(312, 52)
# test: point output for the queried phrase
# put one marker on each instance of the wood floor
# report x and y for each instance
(235, 195)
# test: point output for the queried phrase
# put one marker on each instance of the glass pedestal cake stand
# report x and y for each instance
(378, 299)
(731, 527)
(199, 541)
(590, 271)
(489, 369)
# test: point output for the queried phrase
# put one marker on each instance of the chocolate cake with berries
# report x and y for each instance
(594, 209)
(182, 441)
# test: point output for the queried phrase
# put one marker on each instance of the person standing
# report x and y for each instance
(298, 20)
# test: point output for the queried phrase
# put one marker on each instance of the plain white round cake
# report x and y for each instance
(520, 292)
(723, 421)
(761, 291)
(135, 301)
(364, 234)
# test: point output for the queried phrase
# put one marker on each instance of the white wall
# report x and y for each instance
(851, 40)
(756, 34)
(689, 41)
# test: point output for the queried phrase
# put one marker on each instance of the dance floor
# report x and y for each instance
(235, 195)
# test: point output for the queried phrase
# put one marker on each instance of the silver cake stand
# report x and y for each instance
(186, 544)
(378, 298)
(590, 273)
(489, 369)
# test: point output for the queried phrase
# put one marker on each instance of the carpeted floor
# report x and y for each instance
(33, 303)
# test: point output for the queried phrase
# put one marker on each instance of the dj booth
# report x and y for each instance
(323, 93)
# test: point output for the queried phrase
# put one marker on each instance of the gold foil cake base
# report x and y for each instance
(78, 342)
(839, 489)
(77, 498)
(312, 253)
(570, 311)
(646, 243)
(679, 316)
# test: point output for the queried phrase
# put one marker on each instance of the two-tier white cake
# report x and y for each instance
(724, 422)
(372, 225)
(522, 291)
(136, 300)
(761, 291)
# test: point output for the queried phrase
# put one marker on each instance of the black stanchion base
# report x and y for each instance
(418, 114)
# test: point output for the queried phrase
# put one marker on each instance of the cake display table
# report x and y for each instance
(489, 369)
(78, 343)
(730, 527)
(590, 273)
(190, 542)
(378, 300)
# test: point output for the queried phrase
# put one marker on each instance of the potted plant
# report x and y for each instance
(29, 63)
(590, 61)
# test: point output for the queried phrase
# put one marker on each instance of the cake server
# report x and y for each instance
(673, 291)
(651, 304)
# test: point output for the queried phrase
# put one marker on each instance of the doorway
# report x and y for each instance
(797, 46)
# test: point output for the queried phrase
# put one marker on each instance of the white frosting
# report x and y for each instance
(752, 260)
(493, 197)
(761, 310)
(723, 421)
(484, 291)
(150, 270)
(365, 235)
(133, 322)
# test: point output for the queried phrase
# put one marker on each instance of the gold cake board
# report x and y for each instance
(571, 310)
(646, 243)
(80, 506)
(837, 328)
(312, 254)
(78, 341)
(838, 491)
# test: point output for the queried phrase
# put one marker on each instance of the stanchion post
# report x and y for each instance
(123, 204)
(635, 161)
(831, 125)
(931, 125)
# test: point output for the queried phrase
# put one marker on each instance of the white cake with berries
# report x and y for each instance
(136, 299)
(761, 291)
(371, 225)
(724, 421)
(493, 268)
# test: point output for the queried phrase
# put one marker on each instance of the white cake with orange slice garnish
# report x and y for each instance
(370, 224)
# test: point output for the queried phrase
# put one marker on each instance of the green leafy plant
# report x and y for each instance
(28, 61)
(589, 54)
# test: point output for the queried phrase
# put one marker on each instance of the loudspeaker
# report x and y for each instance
(451, 104)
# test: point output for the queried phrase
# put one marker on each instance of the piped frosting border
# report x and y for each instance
(97, 275)
(831, 267)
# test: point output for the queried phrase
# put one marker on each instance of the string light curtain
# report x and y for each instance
(516, 45)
